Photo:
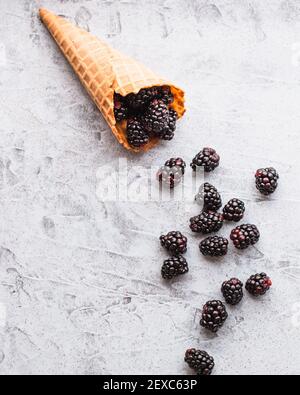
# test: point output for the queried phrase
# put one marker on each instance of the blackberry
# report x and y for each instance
(207, 222)
(168, 132)
(138, 102)
(214, 246)
(136, 134)
(232, 291)
(259, 284)
(207, 158)
(166, 95)
(267, 180)
(173, 267)
(176, 162)
(234, 210)
(209, 197)
(214, 315)
(157, 117)
(170, 176)
(120, 108)
(245, 235)
(200, 361)
(174, 242)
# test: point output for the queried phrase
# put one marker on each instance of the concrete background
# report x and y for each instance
(80, 286)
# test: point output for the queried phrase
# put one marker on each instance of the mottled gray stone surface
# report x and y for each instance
(80, 287)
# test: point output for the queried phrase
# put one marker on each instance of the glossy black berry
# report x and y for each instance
(207, 222)
(156, 119)
(174, 267)
(234, 210)
(200, 361)
(176, 162)
(120, 108)
(214, 315)
(267, 180)
(209, 198)
(174, 242)
(244, 236)
(207, 159)
(136, 134)
(258, 284)
(138, 103)
(232, 291)
(214, 246)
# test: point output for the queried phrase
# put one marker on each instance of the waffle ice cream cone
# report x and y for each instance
(104, 71)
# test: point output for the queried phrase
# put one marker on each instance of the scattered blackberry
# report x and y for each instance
(136, 134)
(207, 222)
(234, 210)
(214, 246)
(157, 117)
(207, 158)
(259, 284)
(170, 176)
(200, 361)
(138, 102)
(120, 108)
(209, 197)
(267, 180)
(232, 291)
(214, 315)
(165, 94)
(245, 235)
(176, 162)
(174, 242)
(174, 267)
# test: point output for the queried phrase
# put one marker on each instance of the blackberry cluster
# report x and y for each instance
(152, 108)
(267, 180)
(136, 135)
(209, 198)
(172, 172)
(214, 246)
(207, 222)
(244, 236)
(174, 242)
(174, 267)
(200, 361)
(232, 291)
(234, 210)
(207, 159)
(214, 315)
(259, 284)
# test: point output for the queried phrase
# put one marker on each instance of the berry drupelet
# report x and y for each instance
(136, 134)
(234, 210)
(174, 242)
(214, 315)
(174, 267)
(214, 246)
(120, 108)
(200, 361)
(209, 197)
(232, 291)
(207, 159)
(267, 180)
(207, 222)
(259, 284)
(245, 235)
